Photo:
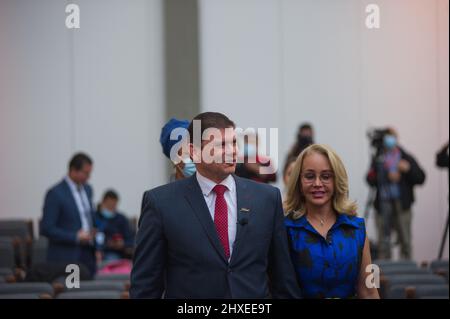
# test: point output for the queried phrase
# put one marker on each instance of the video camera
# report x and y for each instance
(376, 137)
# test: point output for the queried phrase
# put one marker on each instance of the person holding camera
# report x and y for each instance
(329, 246)
(394, 173)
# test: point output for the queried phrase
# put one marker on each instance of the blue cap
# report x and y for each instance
(167, 129)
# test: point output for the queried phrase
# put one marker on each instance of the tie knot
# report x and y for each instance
(219, 189)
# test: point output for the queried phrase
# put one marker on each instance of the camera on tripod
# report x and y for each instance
(376, 137)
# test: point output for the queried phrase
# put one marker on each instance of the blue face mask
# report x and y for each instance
(107, 213)
(390, 141)
(189, 167)
(249, 150)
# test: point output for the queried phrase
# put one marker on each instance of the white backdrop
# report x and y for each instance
(265, 63)
(98, 89)
(277, 63)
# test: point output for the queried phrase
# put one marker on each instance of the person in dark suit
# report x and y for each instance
(212, 235)
(67, 219)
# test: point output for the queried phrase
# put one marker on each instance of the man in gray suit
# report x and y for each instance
(212, 235)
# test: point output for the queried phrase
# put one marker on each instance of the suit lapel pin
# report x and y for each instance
(245, 210)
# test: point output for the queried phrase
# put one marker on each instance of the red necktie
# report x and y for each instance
(221, 218)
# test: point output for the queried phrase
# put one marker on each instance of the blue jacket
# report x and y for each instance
(118, 225)
(60, 223)
(179, 253)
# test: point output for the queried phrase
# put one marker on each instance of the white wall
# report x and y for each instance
(276, 63)
(98, 89)
(402, 77)
(266, 63)
(118, 95)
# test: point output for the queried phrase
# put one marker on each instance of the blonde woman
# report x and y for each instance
(328, 243)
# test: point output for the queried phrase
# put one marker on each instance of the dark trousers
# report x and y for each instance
(87, 258)
(391, 216)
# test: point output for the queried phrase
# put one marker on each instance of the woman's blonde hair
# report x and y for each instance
(295, 201)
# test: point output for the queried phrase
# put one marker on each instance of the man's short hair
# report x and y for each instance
(79, 160)
(111, 194)
(305, 126)
(210, 120)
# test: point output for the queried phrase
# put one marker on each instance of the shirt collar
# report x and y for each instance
(70, 182)
(74, 186)
(207, 185)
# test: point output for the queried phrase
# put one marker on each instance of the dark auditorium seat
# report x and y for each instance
(439, 263)
(440, 267)
(39, 251)
(26, 288)
(386, 263)
(418, 291)
(5, 271)
(91, 295)
(22, 228)
(118, 277)
(6, 274)
(393, 284)
(25, 296)
(21, 231)
(101, 285)
(404, 271)
(7, 253)
(436, 291)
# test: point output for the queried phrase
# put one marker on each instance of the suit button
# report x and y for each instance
(230, 270)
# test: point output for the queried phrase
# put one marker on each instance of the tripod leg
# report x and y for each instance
(384, 226)
(444, 237)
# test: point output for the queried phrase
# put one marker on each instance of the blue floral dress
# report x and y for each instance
(327, 268)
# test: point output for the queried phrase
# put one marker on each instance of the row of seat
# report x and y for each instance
(20, 249)
(114, 286)
(24, 228)
(19, 253)
(71, 295)
(405, 279)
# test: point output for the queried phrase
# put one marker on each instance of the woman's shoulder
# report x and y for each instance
(353, 220)
(293, 219)
(356, 228)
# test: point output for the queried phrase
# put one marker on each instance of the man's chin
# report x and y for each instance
(230, 168)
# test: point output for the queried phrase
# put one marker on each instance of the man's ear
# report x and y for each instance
(179, 167)
(194, 154)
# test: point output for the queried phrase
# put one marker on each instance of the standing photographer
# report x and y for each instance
(394, 173)
(442, 162)
(442, 157)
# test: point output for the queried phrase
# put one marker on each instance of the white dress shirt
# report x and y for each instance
(207, 186)
(83, 205)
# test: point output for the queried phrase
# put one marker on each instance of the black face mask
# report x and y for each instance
(304, 140)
